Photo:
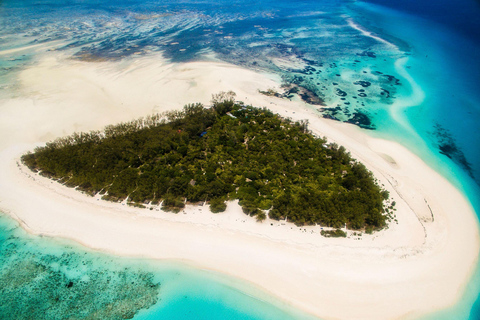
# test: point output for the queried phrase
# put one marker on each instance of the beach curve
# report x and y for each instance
(416, 266)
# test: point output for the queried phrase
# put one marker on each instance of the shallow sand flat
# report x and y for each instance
(418, 265)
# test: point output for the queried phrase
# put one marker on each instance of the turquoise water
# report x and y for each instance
(44, 279)
(407, 72)
(199, 294)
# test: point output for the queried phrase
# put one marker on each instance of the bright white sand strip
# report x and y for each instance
(416, 97)
(419, 265)
(47, 45)
(369, 34)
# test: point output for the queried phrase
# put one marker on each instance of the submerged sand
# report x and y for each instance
(418, 265)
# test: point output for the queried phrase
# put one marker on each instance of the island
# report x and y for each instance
(422, 263)
(274, 166)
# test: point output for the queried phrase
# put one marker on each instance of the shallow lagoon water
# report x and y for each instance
(45, 279)
(364, 60)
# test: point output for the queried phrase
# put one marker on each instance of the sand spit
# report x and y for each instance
(419, 265)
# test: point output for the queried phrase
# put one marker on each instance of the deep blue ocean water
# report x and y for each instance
(405, 70)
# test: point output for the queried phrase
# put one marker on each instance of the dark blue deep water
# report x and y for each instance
(461, 16)
(406, 70)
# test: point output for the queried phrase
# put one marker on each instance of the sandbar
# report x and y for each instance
(420, 264)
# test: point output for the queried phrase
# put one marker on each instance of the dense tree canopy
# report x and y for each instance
(229, 151)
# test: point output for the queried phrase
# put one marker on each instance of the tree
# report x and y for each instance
(217, 205)
(261, 216)
(223, 102)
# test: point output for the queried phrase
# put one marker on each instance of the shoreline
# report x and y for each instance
(409, 269)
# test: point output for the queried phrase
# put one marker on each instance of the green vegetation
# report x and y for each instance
(217, 205)
(229, 151)
(337, 233)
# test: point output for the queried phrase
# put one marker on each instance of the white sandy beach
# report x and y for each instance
(417, 266)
